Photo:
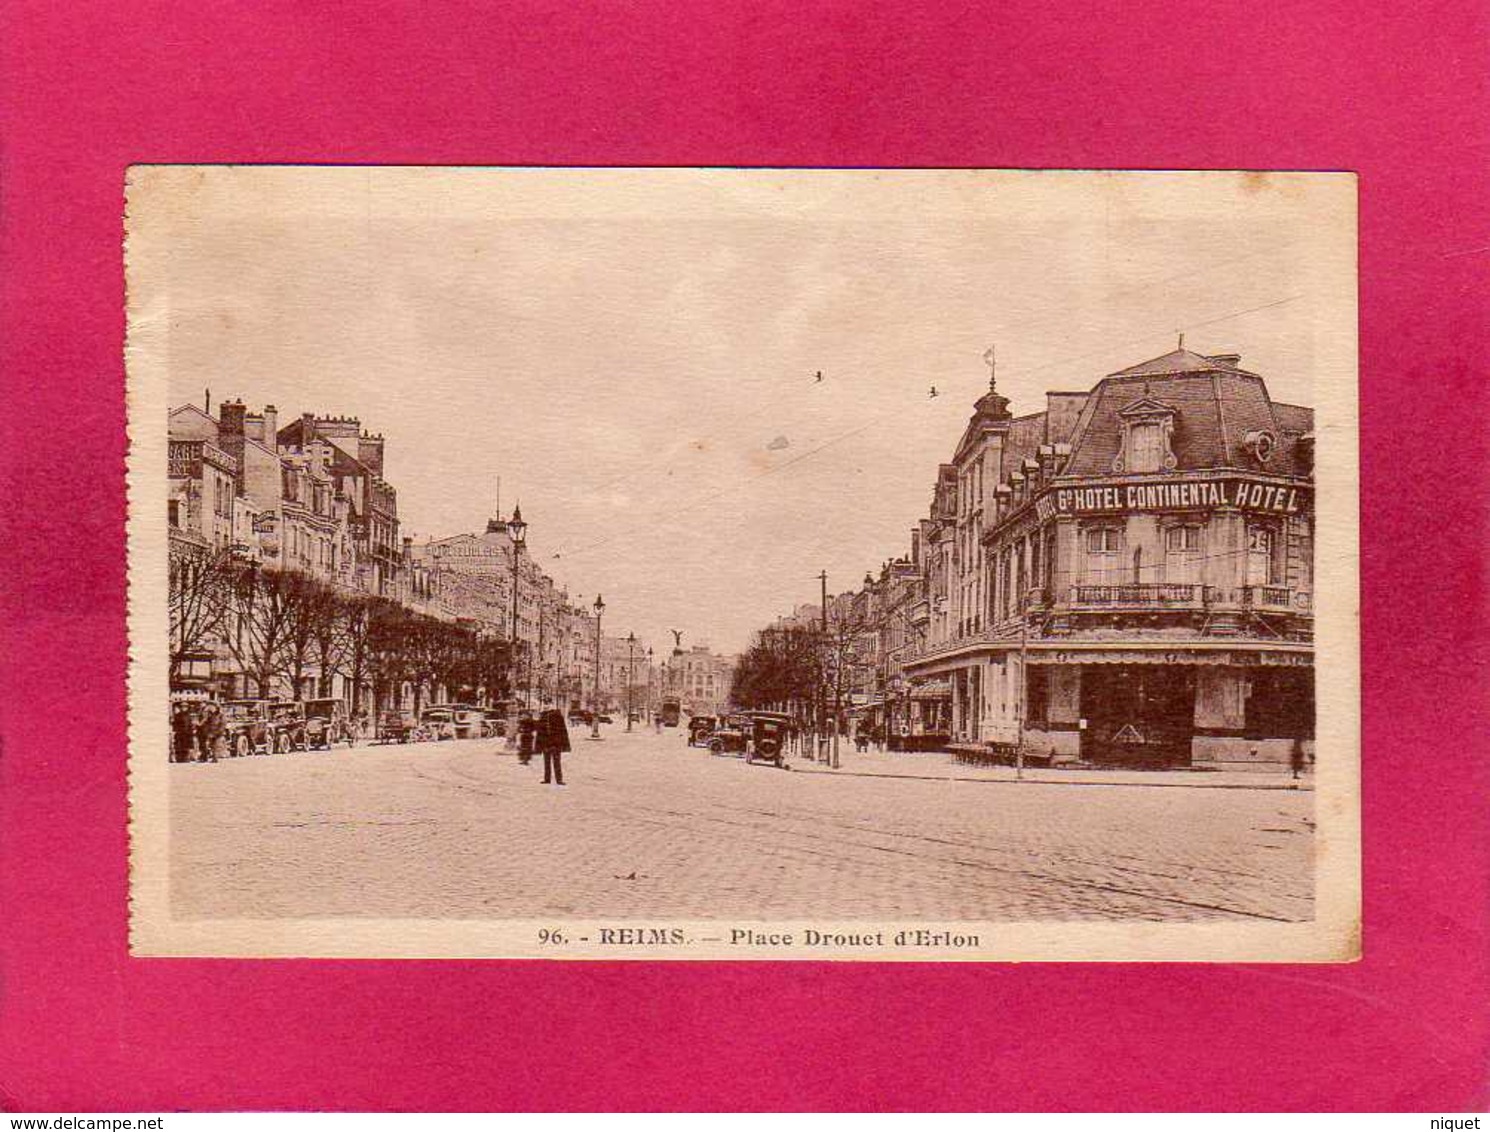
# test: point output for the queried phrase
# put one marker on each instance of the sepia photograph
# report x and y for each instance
(724, 563)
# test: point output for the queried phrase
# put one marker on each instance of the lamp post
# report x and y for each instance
(651, 708)
(518, 531)
(630, 674)
(599, 608)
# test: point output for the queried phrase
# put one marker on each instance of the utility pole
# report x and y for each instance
(1024, 685)
(822, 709)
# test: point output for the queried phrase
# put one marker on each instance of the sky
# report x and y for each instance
(634, 355)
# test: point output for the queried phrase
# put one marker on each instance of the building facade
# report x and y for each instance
(700, 679)
(1130, 574)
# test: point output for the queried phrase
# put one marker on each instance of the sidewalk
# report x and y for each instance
(941, 766)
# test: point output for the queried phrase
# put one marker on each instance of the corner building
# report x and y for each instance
(1130, 573)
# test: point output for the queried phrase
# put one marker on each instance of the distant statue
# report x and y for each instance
(677, 638)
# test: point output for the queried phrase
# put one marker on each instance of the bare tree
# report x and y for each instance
(266, 605)
(200, 595)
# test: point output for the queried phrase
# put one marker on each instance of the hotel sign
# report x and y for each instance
(1173, 495)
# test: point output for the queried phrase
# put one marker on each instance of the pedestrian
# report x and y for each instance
(210, 734)
(526, 727)
(553, 741)
(182, 728)
(1296, 757)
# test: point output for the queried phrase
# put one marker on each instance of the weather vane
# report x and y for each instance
(990, 358)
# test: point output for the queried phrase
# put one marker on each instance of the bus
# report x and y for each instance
(670, 710)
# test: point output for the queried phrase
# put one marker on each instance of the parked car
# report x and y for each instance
(438, 722)
(493, 724)
(767, 736)
(327, 722)
(469, 719)
(286, 726)
(605, 718)
(729, 736)
(699, 729)
(246, 727)
(580, 717)
(397, 726)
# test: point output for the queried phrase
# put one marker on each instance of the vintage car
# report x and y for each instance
(577, 716)
(397, 726)
(327, 722)
(246, 727)
(767, 737)
(286, 726)
(468, 719)
(438, 722)
(729, 736)
(493, 723)
(700, 727)
(756, 735)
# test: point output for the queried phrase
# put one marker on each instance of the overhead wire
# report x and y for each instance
(878, 418)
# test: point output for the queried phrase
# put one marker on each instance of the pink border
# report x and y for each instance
(1397, 96)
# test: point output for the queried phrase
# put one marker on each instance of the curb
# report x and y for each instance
(1056, 782)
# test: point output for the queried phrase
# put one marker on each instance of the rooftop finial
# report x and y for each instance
(1182, 339)
(990, 356)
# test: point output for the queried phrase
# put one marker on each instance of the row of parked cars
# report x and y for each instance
(751, 734)
(266, 727)
(275, 726)
(441, 721)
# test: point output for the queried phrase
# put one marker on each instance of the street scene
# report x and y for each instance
(591, 565)
(651, 827)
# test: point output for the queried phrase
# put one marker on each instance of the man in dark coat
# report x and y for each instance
(183, 731)
(552, 741)
(210, 732)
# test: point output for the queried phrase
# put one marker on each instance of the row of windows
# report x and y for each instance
(1186, 539)
(1183, 555)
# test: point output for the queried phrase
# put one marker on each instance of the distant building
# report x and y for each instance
(700, 679)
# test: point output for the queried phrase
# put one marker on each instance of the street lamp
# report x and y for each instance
(595, 691)
(518, 531)
(651, 710)
(630, 674)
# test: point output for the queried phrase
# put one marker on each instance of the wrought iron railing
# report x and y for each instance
(1267, 597)
(1155, 594)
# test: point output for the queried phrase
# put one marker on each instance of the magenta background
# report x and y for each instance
(1399, 96)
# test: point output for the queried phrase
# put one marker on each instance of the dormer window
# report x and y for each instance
(1145, 448)
(1148, 428)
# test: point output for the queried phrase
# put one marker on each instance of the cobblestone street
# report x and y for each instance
(649, 827)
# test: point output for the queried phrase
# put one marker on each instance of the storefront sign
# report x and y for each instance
(1234, 658)
(1173, 495)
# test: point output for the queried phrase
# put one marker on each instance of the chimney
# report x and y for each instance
(1232, 361)
(370, 453)
(230, 418)
(271, 428)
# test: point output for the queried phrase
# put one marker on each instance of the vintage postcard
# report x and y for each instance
(597, 563)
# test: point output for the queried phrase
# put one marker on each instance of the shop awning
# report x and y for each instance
(1241, 658)
(932, 690)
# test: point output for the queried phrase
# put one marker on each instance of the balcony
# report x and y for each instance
(1275, 599)
(1138, 595)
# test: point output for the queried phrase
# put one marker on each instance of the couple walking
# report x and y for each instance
(550, 735)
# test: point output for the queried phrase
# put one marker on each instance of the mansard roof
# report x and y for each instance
(1216, 406)
(1181, 361)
